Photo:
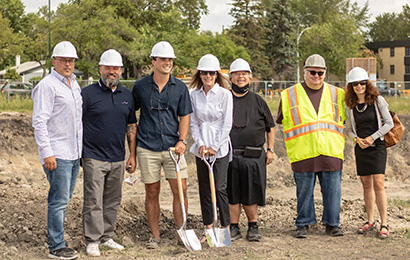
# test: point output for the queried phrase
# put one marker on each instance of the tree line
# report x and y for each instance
(264, 32)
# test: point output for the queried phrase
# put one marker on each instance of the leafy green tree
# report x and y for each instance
(322, 11)
(36, 29)
(335, 41)
(280, 44)
(13, 10)
(92, 28)
(384, 28)
(391, 26)
(249, 30)
(194, 46)
(12, 74)
(9, 43)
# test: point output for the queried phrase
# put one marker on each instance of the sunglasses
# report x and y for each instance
(211, 73)
(65, 61)
(363, 83)
(314, 72)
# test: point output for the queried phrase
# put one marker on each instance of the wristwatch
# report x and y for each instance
(183, 141)
(270, 149)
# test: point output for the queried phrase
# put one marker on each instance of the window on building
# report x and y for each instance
(407, 69)
(391, 84)
(391, 69)
(391, 52)
(407, 51)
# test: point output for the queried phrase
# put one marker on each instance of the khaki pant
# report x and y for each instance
(150, 163)
(102, 198)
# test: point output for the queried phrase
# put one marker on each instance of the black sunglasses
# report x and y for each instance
(363, 83)
(211, 73)
(314, 72)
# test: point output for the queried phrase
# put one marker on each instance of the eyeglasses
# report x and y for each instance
(363, 83)
(65, 61)
(314, 72)
(211, 73)
(241, 126)
(160, 104)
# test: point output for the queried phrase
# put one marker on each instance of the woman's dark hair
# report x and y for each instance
(351, 97)
(196, 81)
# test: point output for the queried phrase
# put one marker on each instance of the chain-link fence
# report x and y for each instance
(273, 88)
(386, 88)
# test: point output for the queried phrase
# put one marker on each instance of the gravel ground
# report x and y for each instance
(23, 208)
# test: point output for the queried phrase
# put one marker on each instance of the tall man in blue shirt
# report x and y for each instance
(108, 115)
(58, 131)
(164, 122)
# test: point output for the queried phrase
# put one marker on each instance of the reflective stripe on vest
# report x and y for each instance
(309, 133)
(313, 127)
(293, 100)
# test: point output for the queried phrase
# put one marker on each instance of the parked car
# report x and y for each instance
(385, 90)
(10, 89)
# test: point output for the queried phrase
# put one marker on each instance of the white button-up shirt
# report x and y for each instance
(57, 114)
(211, 121)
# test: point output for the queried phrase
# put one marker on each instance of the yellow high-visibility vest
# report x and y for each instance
(309, 134)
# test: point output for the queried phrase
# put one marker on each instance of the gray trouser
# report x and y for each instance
(102, 198)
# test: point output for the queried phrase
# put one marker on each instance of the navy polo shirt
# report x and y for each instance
(106, 115)
(159, 123)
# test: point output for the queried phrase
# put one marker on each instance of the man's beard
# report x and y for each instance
(110, 82)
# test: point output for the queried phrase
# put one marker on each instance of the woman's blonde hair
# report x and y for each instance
(196, 81)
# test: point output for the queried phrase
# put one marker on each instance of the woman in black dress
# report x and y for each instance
(365, 110)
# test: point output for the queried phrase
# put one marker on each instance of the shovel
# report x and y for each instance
(216, 237)
(188, 237)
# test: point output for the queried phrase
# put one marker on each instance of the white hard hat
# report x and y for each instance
(357, 74)
(111, 57)
(163, 49)
(208, 62)
(239, 65)
(64, 49)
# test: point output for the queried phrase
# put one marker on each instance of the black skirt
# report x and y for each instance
(371, 160)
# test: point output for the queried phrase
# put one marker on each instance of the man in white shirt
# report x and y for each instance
(57, 112)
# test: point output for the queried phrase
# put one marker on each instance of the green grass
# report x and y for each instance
(16, 104)
(400, 105)
(402, 203)
(273, 104)
(407, 233)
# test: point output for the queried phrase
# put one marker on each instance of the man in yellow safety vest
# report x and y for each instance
(312, 115)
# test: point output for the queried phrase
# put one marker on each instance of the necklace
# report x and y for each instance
(361, 110)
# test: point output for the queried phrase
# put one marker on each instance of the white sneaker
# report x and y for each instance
(112, 244)
(93, 249)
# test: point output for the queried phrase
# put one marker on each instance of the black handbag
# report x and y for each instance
(252, 152)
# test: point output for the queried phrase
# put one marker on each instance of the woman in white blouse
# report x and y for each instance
(211, 124)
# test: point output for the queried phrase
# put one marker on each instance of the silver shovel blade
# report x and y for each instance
(218, 237)
(189, 239)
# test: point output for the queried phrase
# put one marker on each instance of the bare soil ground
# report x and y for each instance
(23, 209)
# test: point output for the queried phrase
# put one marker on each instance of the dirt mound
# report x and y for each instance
(23, 209)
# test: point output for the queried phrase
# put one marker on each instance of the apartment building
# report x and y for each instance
(395, 56)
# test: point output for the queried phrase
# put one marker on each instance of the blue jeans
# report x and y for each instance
(331, 195)
(62, 182)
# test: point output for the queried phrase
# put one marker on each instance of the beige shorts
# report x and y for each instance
(150, 163)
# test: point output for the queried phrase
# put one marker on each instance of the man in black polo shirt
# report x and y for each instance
(247, 172)
(164, 122)
(108, 115)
